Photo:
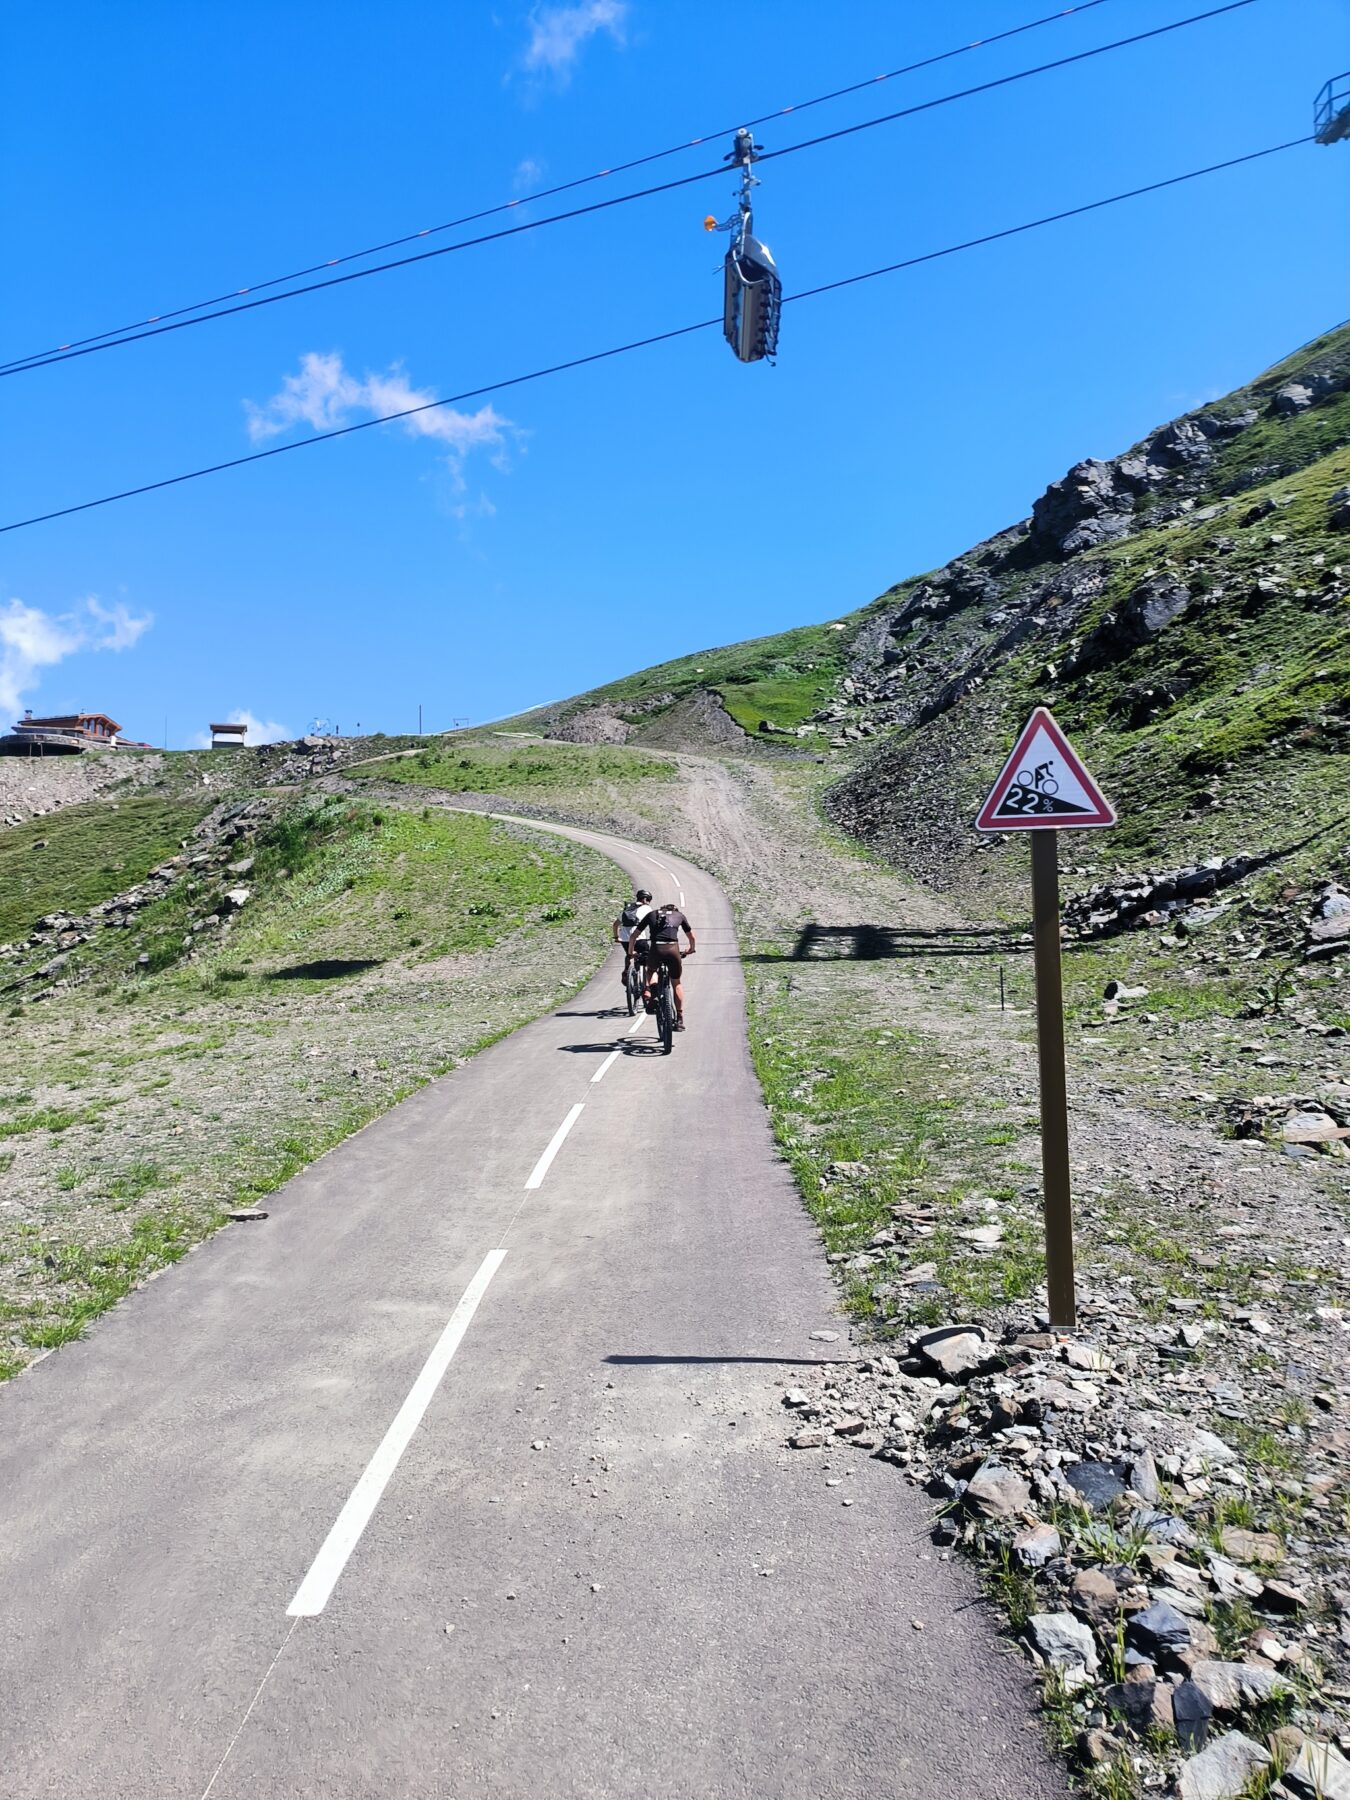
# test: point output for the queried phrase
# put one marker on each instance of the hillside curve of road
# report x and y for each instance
(464, 1472)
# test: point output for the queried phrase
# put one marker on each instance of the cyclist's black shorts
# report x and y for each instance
(667, 953)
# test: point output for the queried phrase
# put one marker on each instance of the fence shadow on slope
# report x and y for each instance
(880, 943)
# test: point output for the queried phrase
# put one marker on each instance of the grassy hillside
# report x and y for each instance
(782, 679)
(72, 859)
(477, 767)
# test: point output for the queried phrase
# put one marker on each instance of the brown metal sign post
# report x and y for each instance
(1054, 1088)
(1044, 786)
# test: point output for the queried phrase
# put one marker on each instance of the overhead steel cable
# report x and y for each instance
(562, 187)
(1069, 212)
(1001, 81)
(660, 337)
(595, 206)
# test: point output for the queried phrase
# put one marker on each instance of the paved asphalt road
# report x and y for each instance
(593, 1571)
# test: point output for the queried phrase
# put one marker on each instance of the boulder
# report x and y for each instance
(1133, 1699)
(956, 1351)
(1159, 1630)
(1100, 1484)
(1293, 397)
(1222, 1769)
(1215, 427)
(1192, 1710)
(1179, 445)
(1330, 917)
(1152, 605)
(1318, 1772)
(1164, 1528)
(1049, 1396)
(1143, 1478)
(1206, 1451)
(1036, 1546)
(1095, 1595)
(1091, 505)
(996, 1493)
(1062, 1642)
(1230, 1686)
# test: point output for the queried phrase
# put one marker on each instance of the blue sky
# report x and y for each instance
(566, 532)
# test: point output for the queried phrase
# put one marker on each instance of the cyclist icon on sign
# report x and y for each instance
(1039, 779)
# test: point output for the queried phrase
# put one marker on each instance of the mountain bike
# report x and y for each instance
(632, 985)
(663, 1005)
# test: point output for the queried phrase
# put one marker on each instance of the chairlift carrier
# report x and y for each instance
(752, 295)
(1331, 111)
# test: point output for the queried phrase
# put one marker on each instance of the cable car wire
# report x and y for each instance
(999, 81)
(562, 187)
(660, 337)
(622, 199)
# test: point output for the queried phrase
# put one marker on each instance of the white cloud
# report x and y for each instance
(529, 173)
(120, 631)
(260, 731)
(481, 508)
(32, 640)
(557, 34)
(325, 394)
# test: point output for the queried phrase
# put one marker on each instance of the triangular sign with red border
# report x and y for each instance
(1044, 786)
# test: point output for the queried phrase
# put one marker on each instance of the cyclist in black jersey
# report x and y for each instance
(661, 928)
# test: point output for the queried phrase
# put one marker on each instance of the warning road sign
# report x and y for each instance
(1044, 786)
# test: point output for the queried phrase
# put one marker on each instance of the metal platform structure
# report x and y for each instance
(1331, 111)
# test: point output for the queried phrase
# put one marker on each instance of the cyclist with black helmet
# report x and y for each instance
(626, 924)
(662, 926)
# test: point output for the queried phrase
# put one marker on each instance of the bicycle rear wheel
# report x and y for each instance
(665, 1019)
(631, 988)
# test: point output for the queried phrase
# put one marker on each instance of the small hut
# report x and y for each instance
(228, 737)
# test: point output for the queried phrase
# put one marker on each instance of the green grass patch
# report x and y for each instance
(872, 1118)
(785, 698)
(82, 1281)
(134, 1181)
(486, 768)
(369, 886)
(339, 887)
(42, 1118)
(781, 678)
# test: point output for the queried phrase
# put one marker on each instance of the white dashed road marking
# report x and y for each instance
(555, 1144)
(313, 1593)
(599, 1074)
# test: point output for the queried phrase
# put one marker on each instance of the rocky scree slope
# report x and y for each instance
(1184, 607)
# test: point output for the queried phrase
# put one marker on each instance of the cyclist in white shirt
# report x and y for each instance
(627, 923)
